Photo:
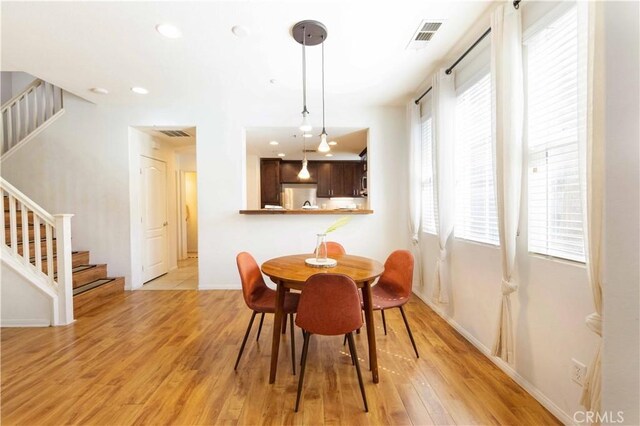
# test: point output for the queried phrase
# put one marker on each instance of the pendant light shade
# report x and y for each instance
(324, 146)
(305, 126)
(304, 172)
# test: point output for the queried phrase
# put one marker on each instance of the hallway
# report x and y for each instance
(183, 278)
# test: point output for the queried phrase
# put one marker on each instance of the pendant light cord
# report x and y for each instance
(304, 70)
(323, 128)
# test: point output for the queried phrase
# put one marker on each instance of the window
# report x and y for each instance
(554, 197)
(429, 212)
(476, 215)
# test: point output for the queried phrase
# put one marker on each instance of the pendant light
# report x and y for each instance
(304, 172)
(324, 146)
(305, 126)
(309, 33)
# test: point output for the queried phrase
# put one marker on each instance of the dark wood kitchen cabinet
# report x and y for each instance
(351, 177)
(339, 179)
(324, 179)
(333, 178)
(269, 181)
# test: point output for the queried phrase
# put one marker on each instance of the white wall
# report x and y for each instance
(621, 354)
(21, 303)
(81, 165)
(14, 82)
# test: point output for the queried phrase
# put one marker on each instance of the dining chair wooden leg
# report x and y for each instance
(354, 354)
(293, 345)
(260, 326)
(344, 342)
(304, 339)
(384, 322)
(305, 349)
(244, 341)
(353, 360)
(284, 323)
(406, 323)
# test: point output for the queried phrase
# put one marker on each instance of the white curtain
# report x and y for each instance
(444, 101)
(415, 183)
(592, 142)
(508, 105)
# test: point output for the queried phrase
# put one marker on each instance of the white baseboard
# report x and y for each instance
(505, 367)
(27, 322)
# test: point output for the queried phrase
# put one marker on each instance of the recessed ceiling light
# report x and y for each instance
(307, 135)
(328, 155)
(281, 154)
(99, 90)
(333, 143)
(139, 90)
(240, 31)
(273, 143)
(169, 31)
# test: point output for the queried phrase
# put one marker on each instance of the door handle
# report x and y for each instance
(165, 224)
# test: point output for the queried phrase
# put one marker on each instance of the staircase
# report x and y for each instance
(37, 245)
(27, 114)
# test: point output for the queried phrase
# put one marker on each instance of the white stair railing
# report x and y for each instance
(27, 113)
(30, 235)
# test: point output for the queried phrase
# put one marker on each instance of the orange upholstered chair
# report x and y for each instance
(329, 306)
(261, 299)
(334, 249)
(393, 289)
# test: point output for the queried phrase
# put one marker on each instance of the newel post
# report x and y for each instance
(65, 277)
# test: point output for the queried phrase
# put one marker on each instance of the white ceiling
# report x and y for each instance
(351, 141)
(79, 45)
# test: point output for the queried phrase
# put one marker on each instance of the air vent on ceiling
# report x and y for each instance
(424, 34)
(309, 150)
(175, 133)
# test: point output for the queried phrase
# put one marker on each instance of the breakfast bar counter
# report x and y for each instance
(307, 211)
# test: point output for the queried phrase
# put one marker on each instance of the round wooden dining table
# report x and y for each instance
(291, 272)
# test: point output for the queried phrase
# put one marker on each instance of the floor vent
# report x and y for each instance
(424, 34)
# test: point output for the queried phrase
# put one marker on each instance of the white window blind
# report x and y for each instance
(429, 213)
(554, 197)
(476, 214)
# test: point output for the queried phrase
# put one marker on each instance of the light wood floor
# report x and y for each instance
(166, 357)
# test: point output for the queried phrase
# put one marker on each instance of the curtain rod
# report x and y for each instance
(516, 5)
(417, 101)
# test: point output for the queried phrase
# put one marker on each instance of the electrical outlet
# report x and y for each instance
(578, 372)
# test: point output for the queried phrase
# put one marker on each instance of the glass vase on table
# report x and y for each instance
(321, 248)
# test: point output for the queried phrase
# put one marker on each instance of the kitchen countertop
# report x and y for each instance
(307, 212)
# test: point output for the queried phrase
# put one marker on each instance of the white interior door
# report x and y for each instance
(154, 218)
